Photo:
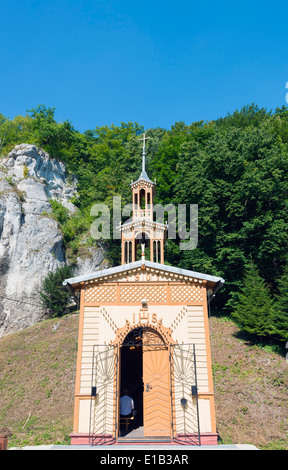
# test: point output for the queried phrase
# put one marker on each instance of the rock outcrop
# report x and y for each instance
(31, 243)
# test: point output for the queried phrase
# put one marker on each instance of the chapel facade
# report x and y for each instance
(144, 330)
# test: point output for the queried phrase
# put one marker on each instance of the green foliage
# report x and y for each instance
(55, 297)
(235, 169)
(238, 179)
(249, 115)
(280, 319)
(75, 229)
(61, 214)
(25, 171)
(14, 132)
(254, 309)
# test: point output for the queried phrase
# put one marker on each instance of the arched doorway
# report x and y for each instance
(145, 375)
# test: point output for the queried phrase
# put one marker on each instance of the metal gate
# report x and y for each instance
(184, 394)
(104, 395)
(104, 413)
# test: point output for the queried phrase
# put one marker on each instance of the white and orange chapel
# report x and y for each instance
(144, 332)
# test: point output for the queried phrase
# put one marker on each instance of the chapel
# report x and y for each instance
(144, 332)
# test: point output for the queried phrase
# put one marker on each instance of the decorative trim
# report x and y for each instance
(164, 332)
(110, 272)
(129, 292)
(178, 319)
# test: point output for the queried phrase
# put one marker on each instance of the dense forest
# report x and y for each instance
(234, 168)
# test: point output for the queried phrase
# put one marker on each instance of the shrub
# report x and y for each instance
(55, 297)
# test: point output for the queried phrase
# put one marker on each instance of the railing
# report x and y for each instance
(143, 214)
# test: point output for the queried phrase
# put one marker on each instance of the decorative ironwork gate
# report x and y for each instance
(181, 372)
(104, 395)
(184, 395)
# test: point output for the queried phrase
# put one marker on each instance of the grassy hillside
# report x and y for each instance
(37, 375)
(251, 385)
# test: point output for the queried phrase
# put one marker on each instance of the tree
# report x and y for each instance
(15, 131)
(254, 309)
(239, 180)
(45, 127)
(55, 297)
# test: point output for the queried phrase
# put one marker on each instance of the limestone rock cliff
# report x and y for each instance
(31, 243)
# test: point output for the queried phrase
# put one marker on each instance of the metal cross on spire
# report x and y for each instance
(144, 154)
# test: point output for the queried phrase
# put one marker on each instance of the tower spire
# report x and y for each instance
(144, 153)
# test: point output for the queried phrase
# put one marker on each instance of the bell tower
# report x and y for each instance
(142, 236)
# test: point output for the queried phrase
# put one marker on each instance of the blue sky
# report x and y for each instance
(155, 62)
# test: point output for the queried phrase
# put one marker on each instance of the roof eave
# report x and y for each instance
(138, 264)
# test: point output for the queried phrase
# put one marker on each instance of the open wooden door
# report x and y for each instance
(156, 379)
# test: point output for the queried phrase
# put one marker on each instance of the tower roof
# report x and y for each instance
(143, 175)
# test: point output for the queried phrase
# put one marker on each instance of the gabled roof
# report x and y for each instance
(137, 265)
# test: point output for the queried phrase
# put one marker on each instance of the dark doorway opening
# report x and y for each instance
(132, 377)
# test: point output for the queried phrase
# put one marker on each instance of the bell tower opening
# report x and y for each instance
(142, 199)
(142, 246)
